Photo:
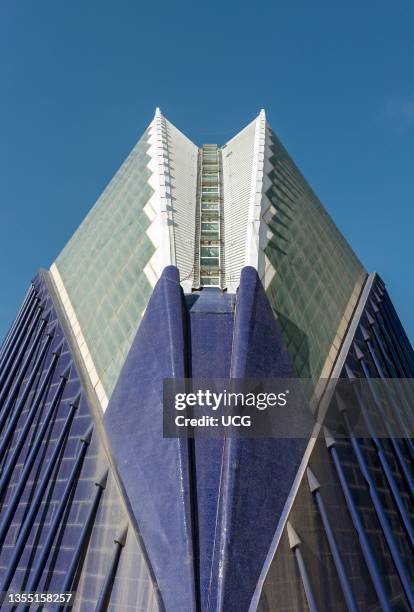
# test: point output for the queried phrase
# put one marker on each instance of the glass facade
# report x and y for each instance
(102, 266)
(317, 275)
(314, 289)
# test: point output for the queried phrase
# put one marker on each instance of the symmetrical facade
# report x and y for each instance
(201, 262)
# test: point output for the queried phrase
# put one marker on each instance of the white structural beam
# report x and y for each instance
(237, 160)
(254, 235)
(182, 174)
(79, 338)
(171, 209)
(158, 207)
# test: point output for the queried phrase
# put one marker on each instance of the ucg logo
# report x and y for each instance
(236, 421)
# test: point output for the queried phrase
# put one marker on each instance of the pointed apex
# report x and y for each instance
(294, 540)
(340, 403)
(87, 436)
(262, 114)
(349, 372)
(102, 480)
(66, 372)
(45, 315)
(374, 307)
(329, 439)
(365, 333)
(313, 482)
(51, 328)
(58, 350)
(158, 112)
(358, 353)
(76, 400)
(121, 539)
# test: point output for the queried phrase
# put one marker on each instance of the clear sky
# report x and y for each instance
(80, 81)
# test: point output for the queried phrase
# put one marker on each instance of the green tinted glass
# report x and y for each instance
(102, 266)
(316, 270)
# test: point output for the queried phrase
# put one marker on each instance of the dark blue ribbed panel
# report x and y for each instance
(207, 510)
(45, 445)
(210, 333)
(154, 470)
(240, 485)
(221, 500)
(366, 484)
(258, 473)
(382, 350)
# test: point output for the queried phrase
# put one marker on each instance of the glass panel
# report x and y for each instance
(210, 261)
(210, 217)
(101, 272)
(210, 240)
(310, 303)
(210, 206)
(210, 227)
(210, 280)
(209, 251)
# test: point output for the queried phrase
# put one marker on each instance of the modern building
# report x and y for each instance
(211, 262)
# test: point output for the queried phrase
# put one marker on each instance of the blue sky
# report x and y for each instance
(80, 82)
